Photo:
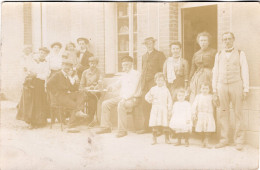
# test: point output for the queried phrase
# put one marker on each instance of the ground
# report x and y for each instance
(53, 149)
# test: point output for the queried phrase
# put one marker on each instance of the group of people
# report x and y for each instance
(173, 96)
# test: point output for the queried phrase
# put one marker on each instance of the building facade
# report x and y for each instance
(118, 29)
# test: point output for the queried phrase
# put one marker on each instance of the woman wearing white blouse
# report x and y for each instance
(33, 107)
(54, 59)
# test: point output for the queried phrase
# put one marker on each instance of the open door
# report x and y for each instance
(194, 21)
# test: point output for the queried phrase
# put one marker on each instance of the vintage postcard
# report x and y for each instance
(129, 85)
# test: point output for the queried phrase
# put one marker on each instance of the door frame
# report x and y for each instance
(184, 5)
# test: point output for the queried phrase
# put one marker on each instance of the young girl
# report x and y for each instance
(202, 110)
(161, 100)
(181, 118)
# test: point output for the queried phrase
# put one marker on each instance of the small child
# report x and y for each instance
(161, 100)
(202, 110)
(181, 118)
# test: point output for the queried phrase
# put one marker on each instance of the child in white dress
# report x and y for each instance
(161, 100)
(202, 111)
(181, 118)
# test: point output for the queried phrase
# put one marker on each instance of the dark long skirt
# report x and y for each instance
(33, 107)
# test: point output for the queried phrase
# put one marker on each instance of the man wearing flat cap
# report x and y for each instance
(66, 92)
(152, 63)
(90, 80)
(83, 56)
(130, 89)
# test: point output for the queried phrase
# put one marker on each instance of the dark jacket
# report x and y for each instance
(151, 64)
(59, 85)
(84, 63)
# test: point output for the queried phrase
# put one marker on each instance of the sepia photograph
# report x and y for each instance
(129, 85)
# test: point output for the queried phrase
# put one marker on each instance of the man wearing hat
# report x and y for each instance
(129, 86)
(83, 56)
(66, 92)
(152, 63)
(90, 80)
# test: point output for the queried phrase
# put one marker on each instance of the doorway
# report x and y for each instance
(194, 21)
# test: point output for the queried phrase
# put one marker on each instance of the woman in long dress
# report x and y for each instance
(202, 64)
(33, 107)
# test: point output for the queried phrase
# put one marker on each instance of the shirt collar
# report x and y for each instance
(229, 50)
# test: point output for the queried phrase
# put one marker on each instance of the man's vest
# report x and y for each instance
(229, 68)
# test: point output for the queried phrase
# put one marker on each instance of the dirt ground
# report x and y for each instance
(53, 149)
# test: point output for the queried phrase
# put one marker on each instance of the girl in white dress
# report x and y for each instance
(161, 100)
(202, 111)
(181, 118)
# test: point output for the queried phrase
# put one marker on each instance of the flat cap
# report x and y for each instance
(83, 39)
(149, 39)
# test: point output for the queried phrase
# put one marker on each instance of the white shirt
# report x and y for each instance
(40, 69)
(243, 66)
(129, 84)
(54, 61)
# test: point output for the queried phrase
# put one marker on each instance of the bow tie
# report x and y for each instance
(229, 50)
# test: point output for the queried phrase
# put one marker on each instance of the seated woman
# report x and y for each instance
(33, 107)
(91, 79)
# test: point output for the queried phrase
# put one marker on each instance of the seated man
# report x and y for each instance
(66, 93)
(91, 80)
(130, 89)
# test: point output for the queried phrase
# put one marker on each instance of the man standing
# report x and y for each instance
(130, 89)
(83, 56)
(66, 92)
(231, 84)
(152, 62)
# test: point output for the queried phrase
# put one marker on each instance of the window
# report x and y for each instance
(126, 32)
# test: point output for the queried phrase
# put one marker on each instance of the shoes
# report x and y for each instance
(81, 114)
(104, 130)
(121, 134)
(239, 147)
(220, 145)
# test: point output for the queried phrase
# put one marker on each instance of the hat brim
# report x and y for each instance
(154, 40)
